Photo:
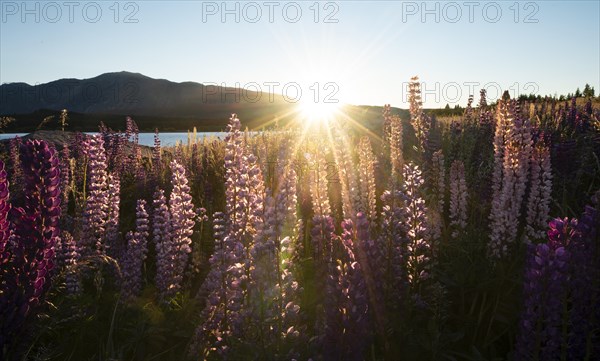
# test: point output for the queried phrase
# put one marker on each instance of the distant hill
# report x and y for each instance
(151, 102)
(127, 93)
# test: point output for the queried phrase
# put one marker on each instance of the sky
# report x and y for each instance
(356, 52)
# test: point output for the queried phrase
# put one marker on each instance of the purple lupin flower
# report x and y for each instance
(368, 186)
(273, 297)
(195, 163)
(439, 191)
(540, 194)
(351, 202)
(225, 316)
(132, 134)
(156, 155)
(95, 212)
(347, 323)
(512, 152)
(439, 179)
(544, 294)
(67, 255)
(222, 316)
(136, 254)
(65, 177)
(394, 137)
(485, 116)
(392, 243)
(182, 223)
(370, 257)
(585, 287)
(80, 149)
(419, 250)
(80, 145)
(419, 120)
(468, 113)
(161, 233)
(458, 198)
(26, 273)
(13, 151)
(113, 237)
(287, 227)
(4, 210)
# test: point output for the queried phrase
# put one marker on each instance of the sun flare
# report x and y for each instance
(318, 112)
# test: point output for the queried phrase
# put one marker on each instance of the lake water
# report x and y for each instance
(166, 139)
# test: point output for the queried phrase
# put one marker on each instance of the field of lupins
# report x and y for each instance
(475, 239)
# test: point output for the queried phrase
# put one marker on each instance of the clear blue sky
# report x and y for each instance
(374, 47)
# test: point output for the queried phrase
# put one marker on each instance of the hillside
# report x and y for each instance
(170, 106)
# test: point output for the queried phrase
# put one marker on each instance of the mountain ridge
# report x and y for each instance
(132, 94)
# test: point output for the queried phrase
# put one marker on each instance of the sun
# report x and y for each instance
(318, 112)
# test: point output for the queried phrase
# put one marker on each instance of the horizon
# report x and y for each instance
(354, 52)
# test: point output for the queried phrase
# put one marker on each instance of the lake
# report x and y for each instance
(166, 139)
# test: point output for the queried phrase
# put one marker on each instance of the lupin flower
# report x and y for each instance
(136, 254)
(458, 198)
(438, 179)
(156, 154)
(161, 233)
(318, 187)
(132, 134)
(4, 210)
(482, 105)
(112, 217)
(544, 294)
(95, 213)
(273, 296)
(584, 283)
(347, 321)
(27, 270)
(540, 193)
(195, 163)
(419, 120)
(15, 162)
(468, 113)
(512, 151)
(368, 187)
(226, 316)
(182, 223)
(223, 314)
(395, 141)
(80, 145)
(370, 257)
(65, 177)
(68, 257)
(392, 242)
(350, 192)
(419, 250)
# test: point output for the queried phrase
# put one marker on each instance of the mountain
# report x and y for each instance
(168, 105)
(127, 93)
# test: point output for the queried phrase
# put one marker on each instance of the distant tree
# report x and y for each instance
(588, 91)
(447, 106)
(578, 93)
